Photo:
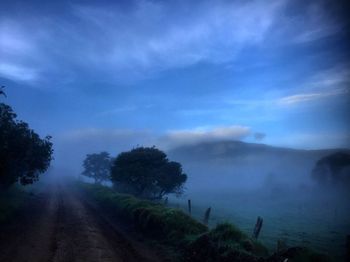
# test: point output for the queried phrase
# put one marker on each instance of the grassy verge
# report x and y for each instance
(11, 201)
(175, 228)
(193, 240)
(149, 217)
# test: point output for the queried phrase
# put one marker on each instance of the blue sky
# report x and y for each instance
(120, 73)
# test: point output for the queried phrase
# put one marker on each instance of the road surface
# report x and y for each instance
(60, 225)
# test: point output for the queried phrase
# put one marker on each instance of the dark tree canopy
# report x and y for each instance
(97, 166)
(147, 172)
(23, 154)
(333, 169)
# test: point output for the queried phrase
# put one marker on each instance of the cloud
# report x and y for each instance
(259, 136)
(318, 23)
(16, 53)
(178, 137)
(123, 44)
(337, 76)
(18, 72)
(187, 35)
(303, 98)
(327, 83)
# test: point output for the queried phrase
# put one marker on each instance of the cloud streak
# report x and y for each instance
(123, 44)
(303, 98)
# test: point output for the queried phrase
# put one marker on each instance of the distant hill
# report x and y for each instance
(238, 149)
(235, 163)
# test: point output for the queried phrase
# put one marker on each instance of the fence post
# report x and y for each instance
(257, 227)
(189, 207)
(207, 216)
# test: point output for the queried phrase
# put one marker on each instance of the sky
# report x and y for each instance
(111, 75)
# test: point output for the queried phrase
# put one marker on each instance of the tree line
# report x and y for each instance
(145, 172)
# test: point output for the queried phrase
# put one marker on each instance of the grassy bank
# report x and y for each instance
(151, 218)
(195, 241)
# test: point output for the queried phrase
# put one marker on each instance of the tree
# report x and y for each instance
(147, 172)
(97, 166)
(23, 154)
(333, 169)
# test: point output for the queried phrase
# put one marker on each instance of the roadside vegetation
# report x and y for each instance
(193, 240)
(97, 167)
(145, 172)
(24, 156)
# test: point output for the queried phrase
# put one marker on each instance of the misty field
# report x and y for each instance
(319, 223)
(242, 181)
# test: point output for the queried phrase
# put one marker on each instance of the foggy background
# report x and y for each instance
(246, 95)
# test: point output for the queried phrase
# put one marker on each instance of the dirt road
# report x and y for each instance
(60, 225)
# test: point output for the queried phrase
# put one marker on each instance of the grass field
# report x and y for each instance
(320, 224)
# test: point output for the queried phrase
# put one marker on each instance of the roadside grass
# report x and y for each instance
(294, 228)
(152, 219)
(192, 239)
(173, 227)
(11, 200)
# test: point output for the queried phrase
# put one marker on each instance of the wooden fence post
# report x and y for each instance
(257, 227)
(207, 216)
(189, 207)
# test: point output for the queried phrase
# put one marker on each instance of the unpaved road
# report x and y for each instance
(60, 225)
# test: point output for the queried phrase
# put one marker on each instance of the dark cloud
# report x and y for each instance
(258, 136)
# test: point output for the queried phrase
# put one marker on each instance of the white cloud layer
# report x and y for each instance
(192, 136)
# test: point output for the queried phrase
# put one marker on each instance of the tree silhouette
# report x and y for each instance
(23, 154)
(333, 169)
(146, 172)
(97, 166)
